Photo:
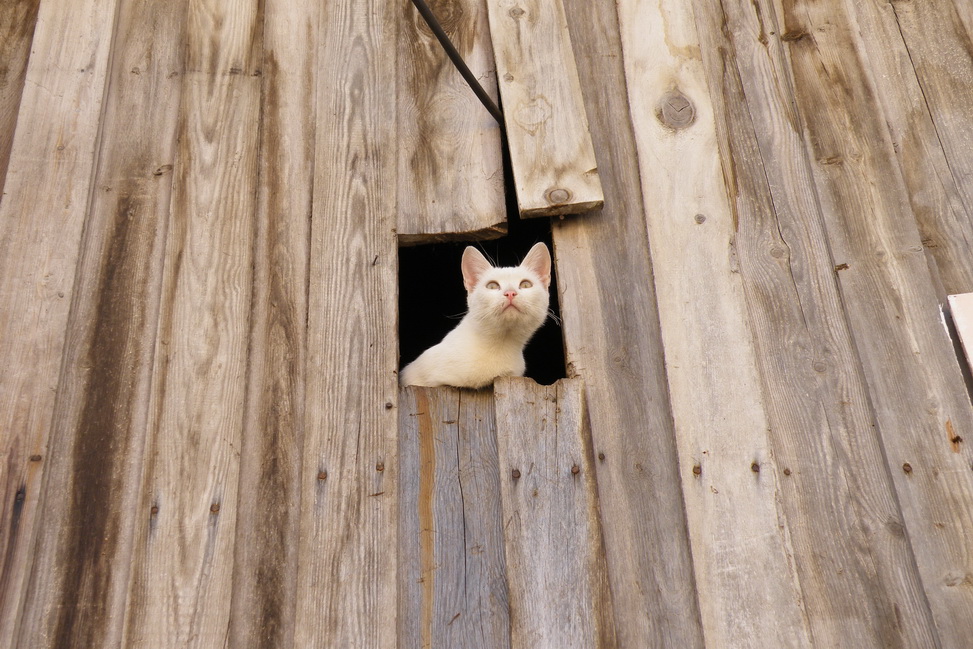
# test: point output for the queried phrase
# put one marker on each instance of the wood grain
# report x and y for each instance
(559, 594)
(264, 594)
(346, 590)
(913, 374)
(551, 154)
(452, 579)
(740, 539)
(961, 309)
(47, 190)
(77, 594)
(183, 560)
(451, 181)
(17, 20)
(614, 344)
(836, 486)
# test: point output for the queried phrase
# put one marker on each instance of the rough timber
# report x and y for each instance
(202, 443)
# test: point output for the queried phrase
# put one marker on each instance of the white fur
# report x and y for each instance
(489, 341)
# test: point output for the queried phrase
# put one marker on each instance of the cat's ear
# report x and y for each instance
(474, 265)
(539, 261)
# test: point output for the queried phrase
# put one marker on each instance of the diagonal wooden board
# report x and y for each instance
(551, 153)
(961, 309)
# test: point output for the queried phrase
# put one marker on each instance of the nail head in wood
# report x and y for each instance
(575, 469)
(515, 474)
(907, 467)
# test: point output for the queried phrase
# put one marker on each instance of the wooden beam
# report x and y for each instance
(17, 21)
(559, 593)
(346, 582)
(46, 196)
(551, 153)
(740, 538)
(181, 581)
(451, 183)
(961, 310)
(452, 585)
(614, 344)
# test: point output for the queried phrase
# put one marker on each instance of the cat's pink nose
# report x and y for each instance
(510, 295)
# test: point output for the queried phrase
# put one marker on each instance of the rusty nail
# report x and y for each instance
(601, 456)
(154, 510)
(35, 458)
(787, 471)
(322, 475)
(697, 470)
(755, 467)
(575, 469)
(380, 466)
(215, 508)
(388, 405)
(907, 467)
(515, 474)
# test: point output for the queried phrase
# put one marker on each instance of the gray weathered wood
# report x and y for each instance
(913, 374)
(836, 487)
(551, 154)
(47, 189)
(612, 341)
(183, 561)
(77, 594)
(452, 582)
(17, 20)
(265, 557)
(449, 156)
(559, 593)
(346, 583)
(961, 310)
(740, 540)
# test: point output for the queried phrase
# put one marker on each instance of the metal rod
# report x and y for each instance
(457, 60)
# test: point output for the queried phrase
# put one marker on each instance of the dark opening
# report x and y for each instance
(432, 299)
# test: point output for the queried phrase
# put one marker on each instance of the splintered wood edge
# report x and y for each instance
(961, 308)
(562, 209)
(485, 234)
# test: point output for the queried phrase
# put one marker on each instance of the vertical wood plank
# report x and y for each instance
(961, 309)
(79, 578)
(17, 20)
(912, 371)
(264, 600)
(452, 585)
(183, 560)
(47, 191)
(450, 163)
(857, 572)
(551, 154)
(614, 344)
(740, 540)
(347, 561)
(559, 593)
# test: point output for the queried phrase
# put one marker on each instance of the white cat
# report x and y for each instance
(506, 307)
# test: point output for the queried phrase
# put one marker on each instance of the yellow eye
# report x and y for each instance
(525, 284)
(493, 285)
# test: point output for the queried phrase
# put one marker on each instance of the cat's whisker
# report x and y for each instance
(553, 316)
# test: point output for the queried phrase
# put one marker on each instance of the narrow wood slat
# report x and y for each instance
(857, 572)
(559, 593)
(914, 376)
(264, 600)
(183, 560)
(614, 344)
(346, 591)
(961, 310)
(451, 181)
(740, 540)
(551, 154)
(452, 585)
(17, 20)
(79, 584)
(47, 190)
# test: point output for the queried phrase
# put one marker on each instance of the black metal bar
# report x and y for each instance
(457, 60)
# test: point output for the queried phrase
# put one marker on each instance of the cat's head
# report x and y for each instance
(508, 298)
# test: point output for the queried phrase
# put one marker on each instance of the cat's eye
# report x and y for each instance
(526, 284)
(492, 285)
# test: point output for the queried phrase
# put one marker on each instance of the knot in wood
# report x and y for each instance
(517, 12)
(558, 195)
(676, 111)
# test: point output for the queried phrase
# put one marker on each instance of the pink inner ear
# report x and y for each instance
(539, 261)
(474, 264)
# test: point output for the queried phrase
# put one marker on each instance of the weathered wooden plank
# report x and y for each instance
(451, 181)
(551, 154)
(452, 585)
(17, 20)
(263, 606)
(913, 374)
(79, 578)
(961, 310)
(346, 562)
(47, 189)
(612, 340)
(559, 593)
(740, 540)
(857, 574)
(183, 559)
